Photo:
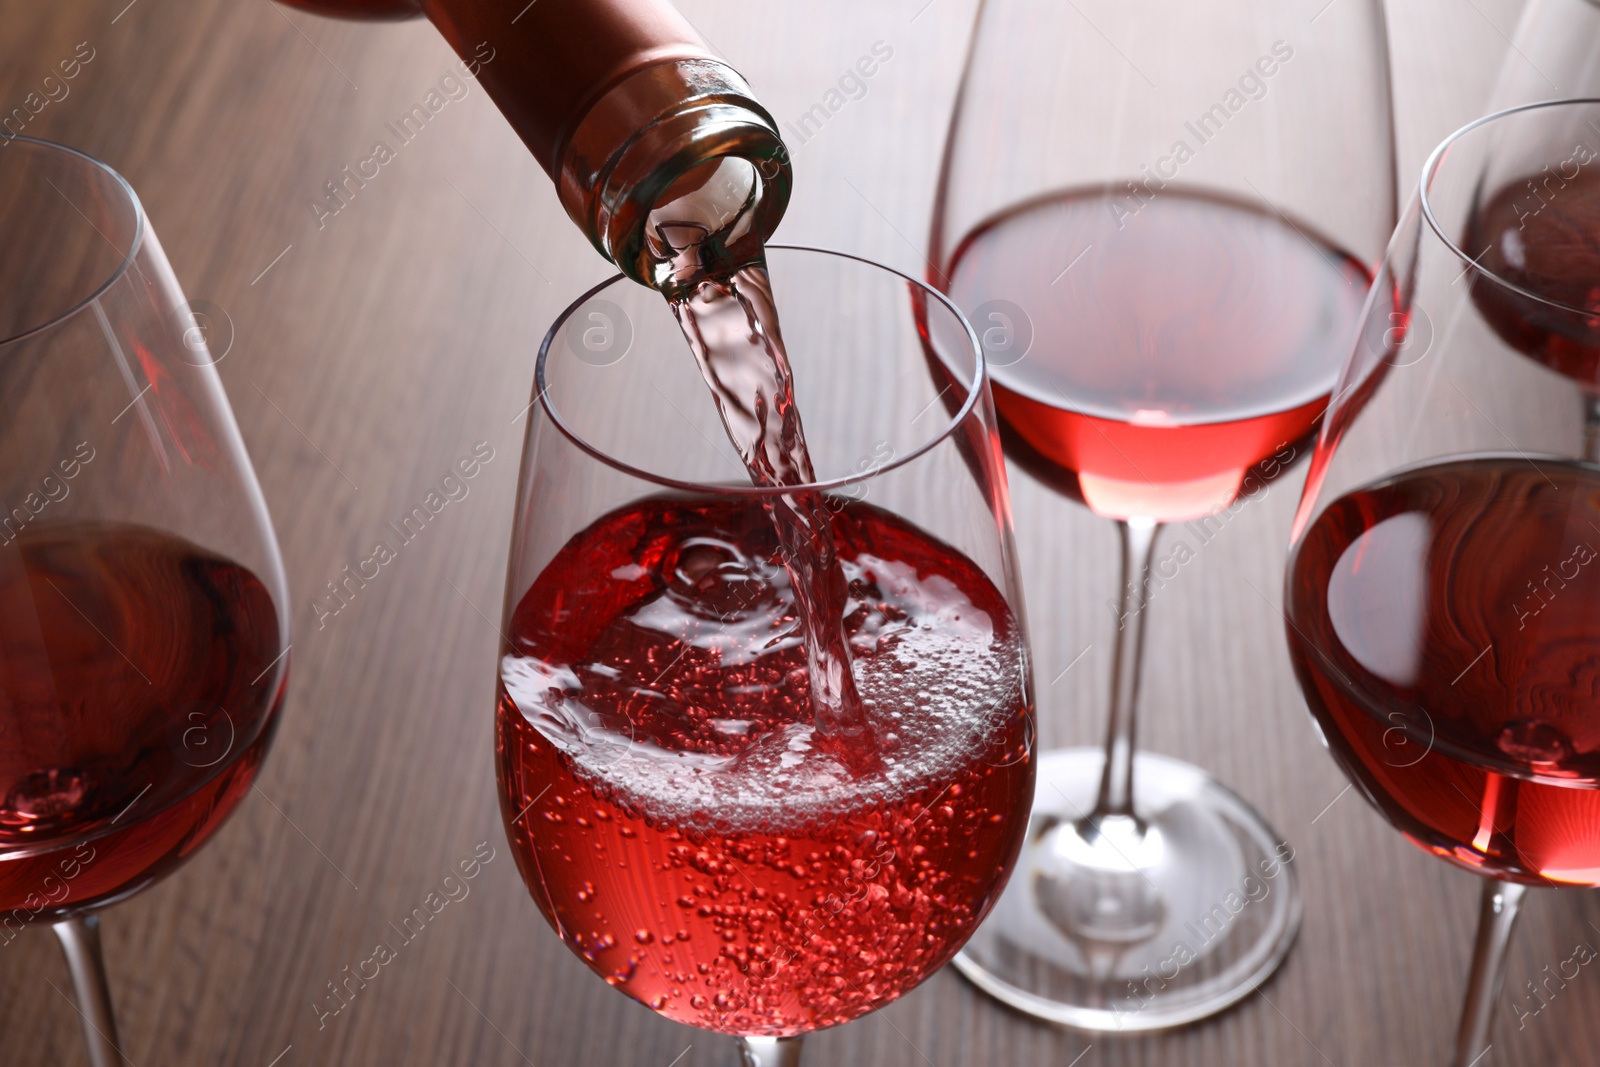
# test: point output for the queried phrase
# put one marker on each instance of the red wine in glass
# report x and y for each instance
(1542, 235)
(668, 802)
(1442, 623)
(134, 707)
(1167, 351)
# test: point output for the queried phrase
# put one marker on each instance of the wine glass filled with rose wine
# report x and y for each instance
(765, 718)
(1161, 219)
(1443, 591)
(143, 621)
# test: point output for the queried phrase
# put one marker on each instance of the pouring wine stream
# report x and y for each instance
(713, 273)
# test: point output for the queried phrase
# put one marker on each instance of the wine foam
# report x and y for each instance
(937, 677)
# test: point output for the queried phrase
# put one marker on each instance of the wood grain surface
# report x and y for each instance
(375, 347)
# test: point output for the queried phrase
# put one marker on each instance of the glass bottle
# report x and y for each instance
(628, 110)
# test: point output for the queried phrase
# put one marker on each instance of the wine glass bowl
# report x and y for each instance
(1232, 311)
(143, 610)
(1166, 275)
(1443, 616)
(680, 815)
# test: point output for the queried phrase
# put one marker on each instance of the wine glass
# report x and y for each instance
(1444, 615)
(1161, 219)
(677, 810)
(143, 612)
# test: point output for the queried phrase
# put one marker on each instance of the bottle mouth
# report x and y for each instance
(706, 225)
(662, 144)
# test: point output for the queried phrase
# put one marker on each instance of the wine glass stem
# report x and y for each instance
(769, 1051)
(80, 940)
(1496, 916)
(1116, 779)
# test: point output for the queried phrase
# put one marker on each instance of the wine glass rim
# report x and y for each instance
(139, 226)
(1431, 168)
(974, 392)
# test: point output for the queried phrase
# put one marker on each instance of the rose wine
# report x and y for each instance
(1168, 351)
(1542, 235)
(1445, 624)
(136, 703)
(666, 795)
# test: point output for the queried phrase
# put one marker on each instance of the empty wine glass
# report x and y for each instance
(1442, 601)
(143, 613)
(1162, 219)
(681, 816)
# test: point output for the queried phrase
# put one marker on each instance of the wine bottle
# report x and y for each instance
(627, 109)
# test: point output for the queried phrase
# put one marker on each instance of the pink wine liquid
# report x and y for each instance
(1445, 624)
(1543, 236)
(1171, 350)
(136, 704)
(669, 802)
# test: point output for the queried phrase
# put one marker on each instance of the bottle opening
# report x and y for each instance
(675, 171)
(704, 227)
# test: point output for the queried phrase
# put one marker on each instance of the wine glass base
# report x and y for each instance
(1135, 925)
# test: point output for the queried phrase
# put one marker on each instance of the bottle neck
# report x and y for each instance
(676, 169)
(627, 109)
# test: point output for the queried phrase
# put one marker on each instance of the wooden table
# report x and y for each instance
(374, 347)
